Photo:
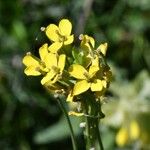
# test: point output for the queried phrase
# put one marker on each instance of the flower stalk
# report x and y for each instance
(73, 139)
(99, 137)
(93, 116)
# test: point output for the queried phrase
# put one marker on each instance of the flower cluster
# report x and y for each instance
(69, 70)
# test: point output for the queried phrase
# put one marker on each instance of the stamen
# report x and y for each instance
(38, 69)
(62, 38)
(56, 69)
(42, 63)
(86, 75)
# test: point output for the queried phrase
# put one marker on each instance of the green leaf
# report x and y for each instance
(57, 132)
(77, 56)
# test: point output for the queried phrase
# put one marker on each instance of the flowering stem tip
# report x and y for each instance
(81, 74)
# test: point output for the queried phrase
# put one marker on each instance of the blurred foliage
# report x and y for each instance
(29, 117)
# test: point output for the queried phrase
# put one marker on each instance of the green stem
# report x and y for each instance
(99, 136)
(93, 116)
(101, 115)
(74, 144)
(90, 134)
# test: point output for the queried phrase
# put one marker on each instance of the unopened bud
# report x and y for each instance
(42, 29)
(56, 95)
(82, 125)
(81, 37)
(28, 53)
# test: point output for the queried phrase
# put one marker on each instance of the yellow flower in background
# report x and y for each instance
(88, 42)
(56, 66)
(134, 130)
(86, 79)
(60, 35)
(125, 134)
(36, 66)
(122, 137)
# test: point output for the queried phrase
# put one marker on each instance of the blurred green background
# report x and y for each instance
(29, 117)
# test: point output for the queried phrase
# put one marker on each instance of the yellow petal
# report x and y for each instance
(50, 60)
(57, 77)
(43, 51)
(70, 97)
(85, 46)
(78, 71)
(89, 41)
(96, 85)
(134, 130)
(55, 47)
(103, 48)
(75, 113)
(80, 87)
(28, 60)
(95, 61)
(122, 137)
(85, 42)
(69, 40)
(92, 41)
(32, 71)
(65, 27)
(93, 70)
(61, 62)
(86, 38)
(48, 77)
(52, 32)
(104, 83)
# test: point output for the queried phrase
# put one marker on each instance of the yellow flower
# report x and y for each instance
(51, 65)
(134, 130)
(88, 43)
(56, 66)
(60, 35)
(86, 79)
(36, 66)
(122, 137)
